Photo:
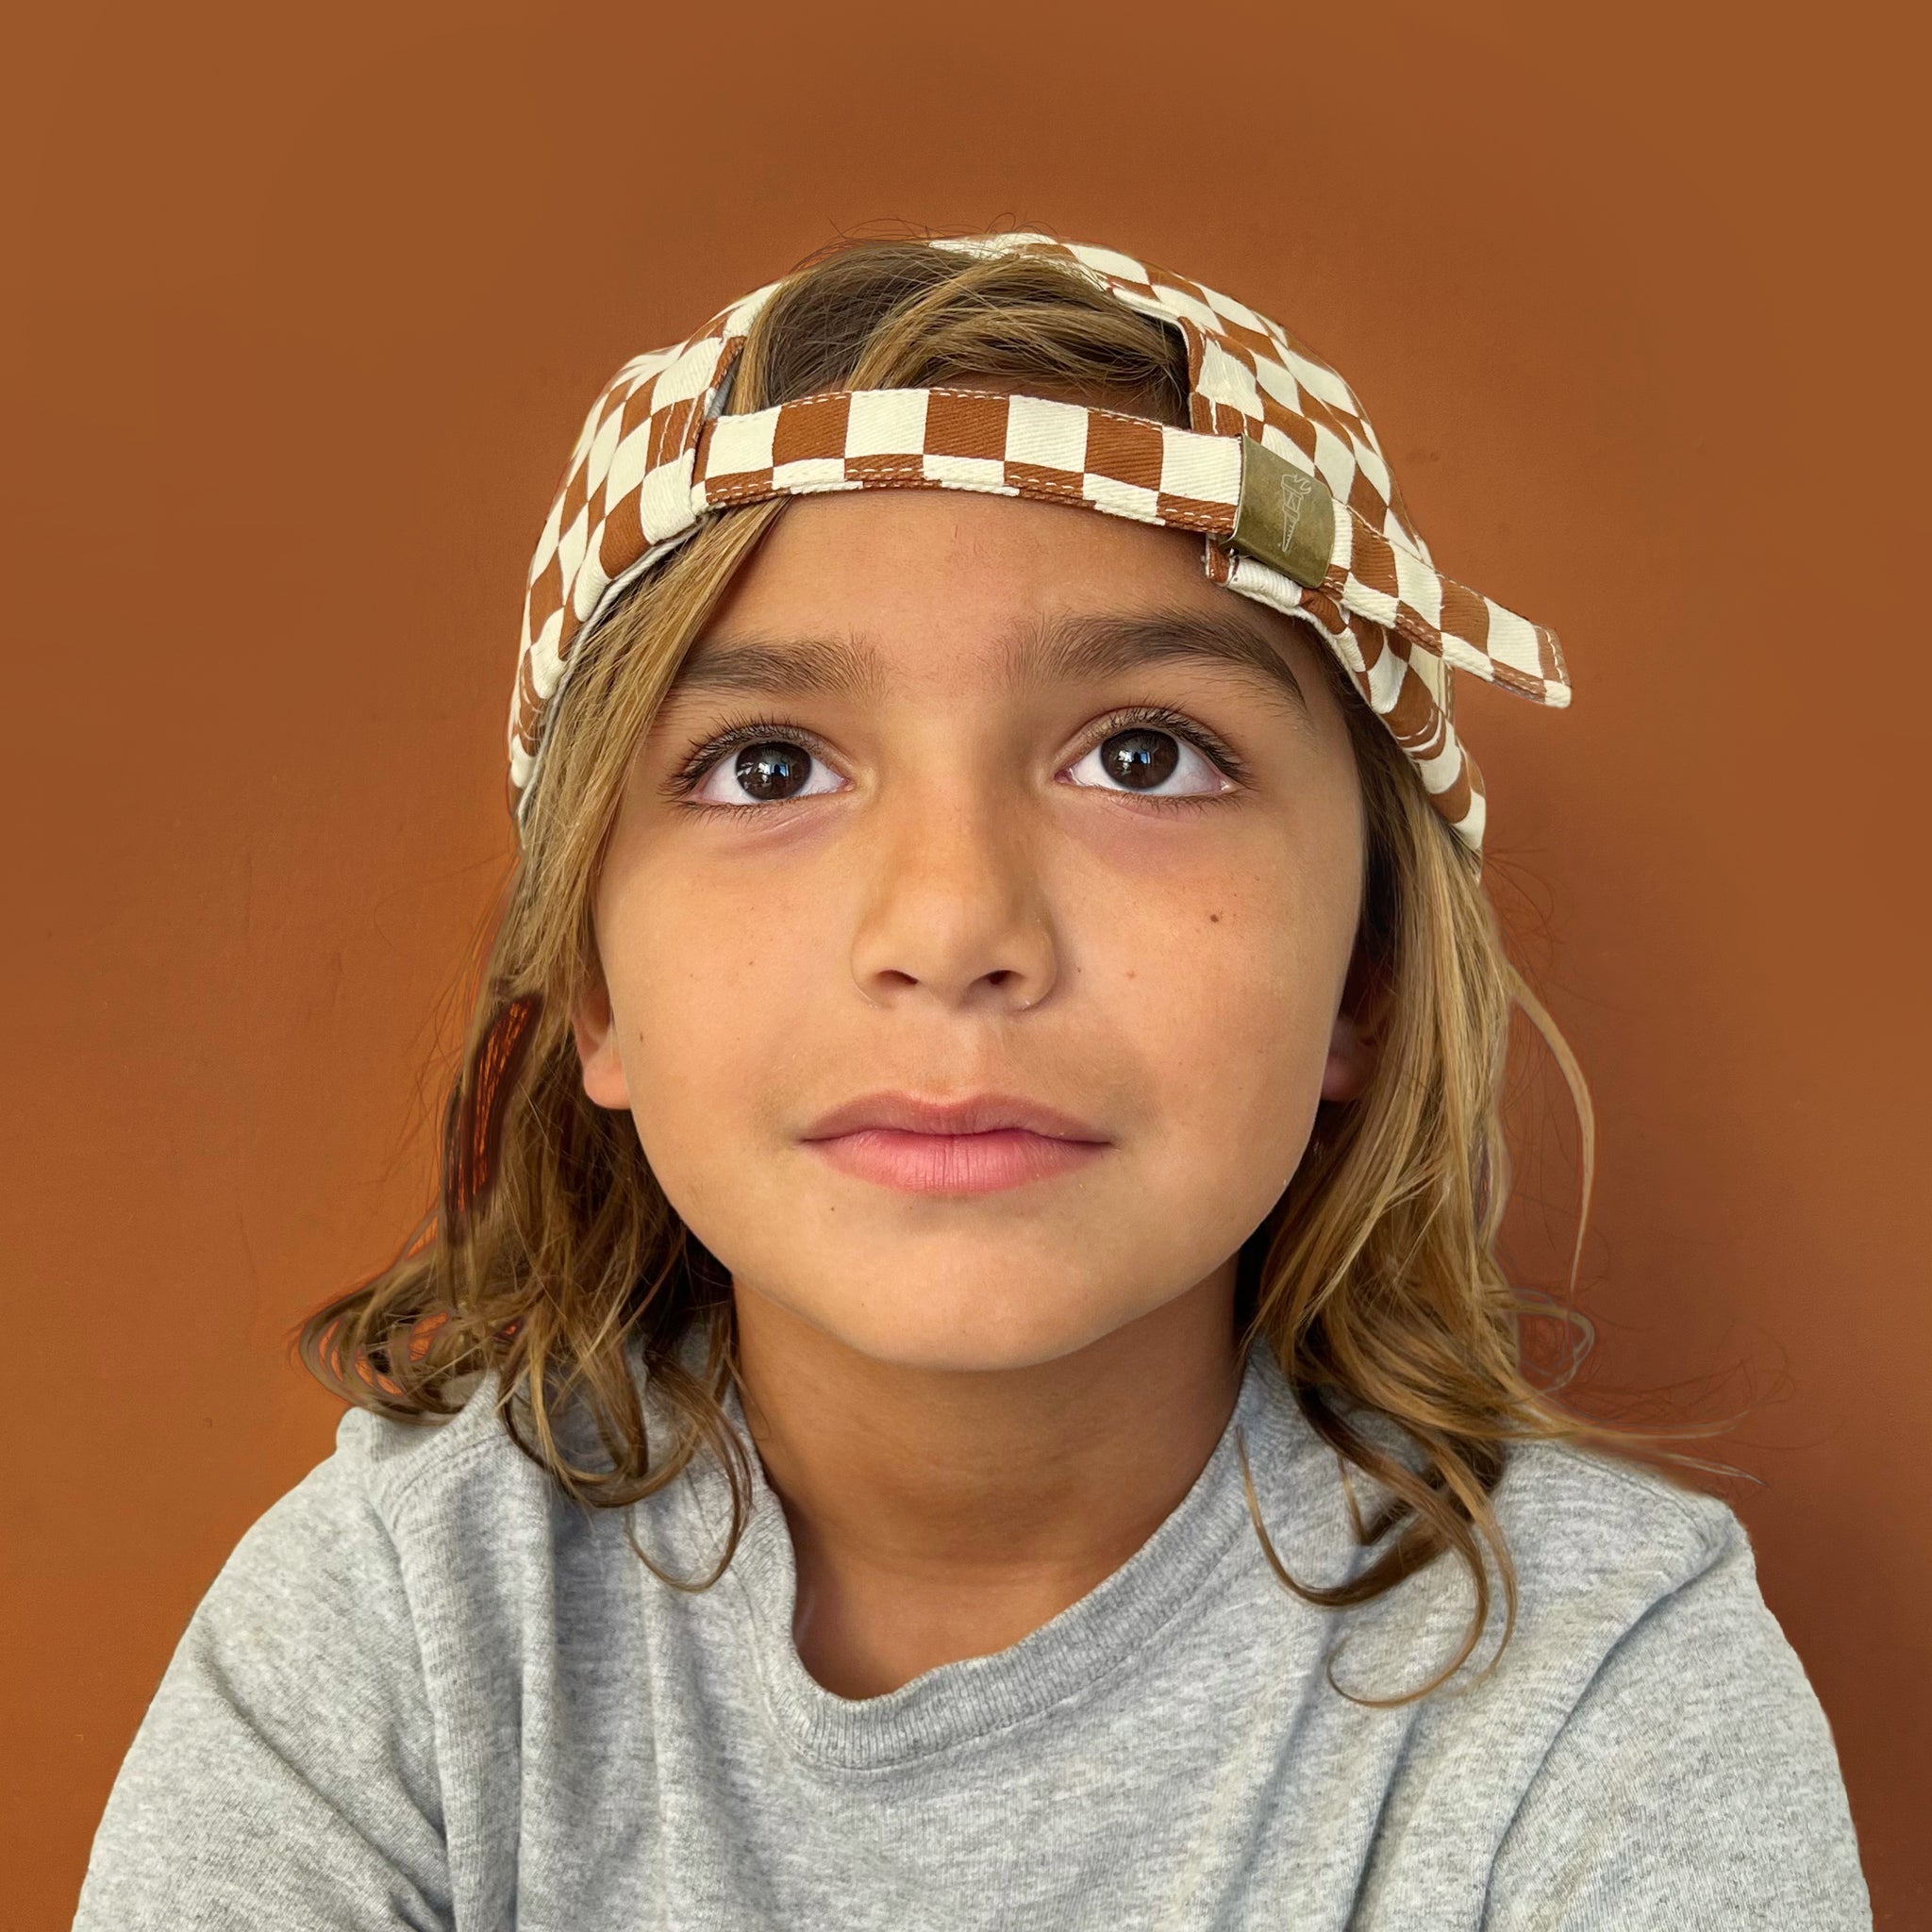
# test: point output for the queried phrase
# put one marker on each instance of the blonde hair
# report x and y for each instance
(554, 1259)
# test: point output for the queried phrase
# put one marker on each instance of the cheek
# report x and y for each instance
(712, 989)
(1231, 1002)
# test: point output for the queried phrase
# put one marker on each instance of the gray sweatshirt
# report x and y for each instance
(426, 1691)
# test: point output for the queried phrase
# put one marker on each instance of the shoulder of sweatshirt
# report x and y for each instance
(1597, 1546)
(1576, 1521)
(399, 1467)
(468, 1469)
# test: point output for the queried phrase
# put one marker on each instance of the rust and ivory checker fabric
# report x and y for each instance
(1280, 472)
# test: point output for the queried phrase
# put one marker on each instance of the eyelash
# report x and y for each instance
(699, 759)
(1216, 750)
(702, 757)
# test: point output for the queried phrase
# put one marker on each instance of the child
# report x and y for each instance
(959, 1377)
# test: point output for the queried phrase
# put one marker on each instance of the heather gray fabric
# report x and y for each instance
(425, 1691)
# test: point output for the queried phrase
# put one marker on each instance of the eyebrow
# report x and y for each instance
(1072, 650)
(1061, 650)
(793, 667)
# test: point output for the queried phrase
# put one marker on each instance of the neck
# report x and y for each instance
(938, 1514)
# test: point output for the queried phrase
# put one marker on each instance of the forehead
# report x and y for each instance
(945, 552)
(940, 587)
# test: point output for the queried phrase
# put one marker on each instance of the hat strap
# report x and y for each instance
(1257, 501)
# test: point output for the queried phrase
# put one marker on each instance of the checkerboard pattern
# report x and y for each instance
(657, 458)
(962, 439)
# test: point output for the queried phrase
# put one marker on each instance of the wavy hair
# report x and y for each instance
(553, 1259)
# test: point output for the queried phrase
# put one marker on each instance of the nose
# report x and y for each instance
(956, 911)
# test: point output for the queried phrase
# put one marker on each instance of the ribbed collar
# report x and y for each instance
(978, 1696)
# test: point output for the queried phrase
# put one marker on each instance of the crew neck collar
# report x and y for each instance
(975, 1697)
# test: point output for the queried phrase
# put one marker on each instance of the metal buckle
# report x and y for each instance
(1285, 517)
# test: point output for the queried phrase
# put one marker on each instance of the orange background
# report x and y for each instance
(302, 309)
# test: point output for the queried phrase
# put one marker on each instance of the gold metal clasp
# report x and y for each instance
(1285, 517)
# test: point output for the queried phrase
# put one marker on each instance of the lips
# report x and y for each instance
(977, 1144)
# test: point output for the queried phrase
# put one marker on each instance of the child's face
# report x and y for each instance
(965, 851)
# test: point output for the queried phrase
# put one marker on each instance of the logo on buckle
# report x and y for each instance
(1285, 517)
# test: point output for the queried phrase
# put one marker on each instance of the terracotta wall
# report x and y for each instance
(301, 309)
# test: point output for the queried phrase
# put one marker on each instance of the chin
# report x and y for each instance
(923, 1319)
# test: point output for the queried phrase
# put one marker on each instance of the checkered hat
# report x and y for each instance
(1279, 471)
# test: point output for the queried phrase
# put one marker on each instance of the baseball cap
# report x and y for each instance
(1279, 471)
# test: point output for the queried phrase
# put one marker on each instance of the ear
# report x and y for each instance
(594, 1031)
(1351, 1060)
(1354, 1040)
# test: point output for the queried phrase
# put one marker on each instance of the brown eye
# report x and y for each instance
(1140, 759)
(769, 770)
(1144, 759)
(773, 770)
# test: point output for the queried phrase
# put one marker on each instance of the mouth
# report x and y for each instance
(979, 1145)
